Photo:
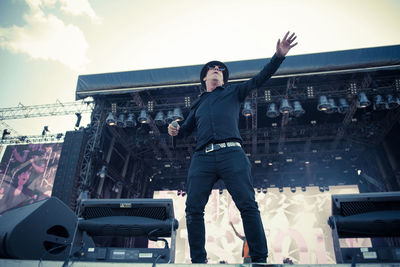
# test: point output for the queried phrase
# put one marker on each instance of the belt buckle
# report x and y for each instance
(210, 150)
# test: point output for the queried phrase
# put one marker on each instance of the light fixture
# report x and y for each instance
(143, 116)
(303, 189)
(363, 101)
(321, 188)
(285, 106)
(379, 103)
(297, 109)
(280, 189)
(323, 103)
(264, 190)
(259, 190)
(272, 111)
(110, 119)
(332, 106)
(177, 115)
(169, 118)
(293, 189)
(45, 130)
(343, 106)
(130, 121)
(78, 119)
(247, 110)
(121, 120)
(5, 133)
(102, 172)
(159, 119)
(393, 102)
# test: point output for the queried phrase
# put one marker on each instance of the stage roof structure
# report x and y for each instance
(319, 63)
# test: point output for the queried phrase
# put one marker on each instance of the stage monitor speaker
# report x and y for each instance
(365, 215)
(151, 218)
(42, 230)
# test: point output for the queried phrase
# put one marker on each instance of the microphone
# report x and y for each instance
(175, 124)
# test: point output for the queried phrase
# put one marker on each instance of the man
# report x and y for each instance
(245, 248)
(214, 116)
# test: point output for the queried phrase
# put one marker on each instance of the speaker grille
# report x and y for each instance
(358, 207)
(158, 213)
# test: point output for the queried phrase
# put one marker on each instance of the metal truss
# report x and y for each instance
(86, 174)
(29, 139)
(57, 109)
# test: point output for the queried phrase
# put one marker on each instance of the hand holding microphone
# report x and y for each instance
(173, 128)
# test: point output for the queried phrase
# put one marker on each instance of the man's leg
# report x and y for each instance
(200, 181)
(235, 170)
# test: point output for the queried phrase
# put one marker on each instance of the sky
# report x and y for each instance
(46, 44)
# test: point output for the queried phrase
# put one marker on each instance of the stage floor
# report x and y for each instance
(35, 263)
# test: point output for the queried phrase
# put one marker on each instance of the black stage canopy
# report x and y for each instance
(327, 62)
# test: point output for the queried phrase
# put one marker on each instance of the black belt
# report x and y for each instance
(215, 147)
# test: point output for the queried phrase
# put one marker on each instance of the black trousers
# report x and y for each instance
(233, 167)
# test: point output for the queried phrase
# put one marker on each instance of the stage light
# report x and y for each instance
(379, 103)
(45, 130)
(78, 119)
(177, 115)
(5, 133)
(393, 102)
(326, 188)
(102, 172)
(267, 95)
(303, 189)
(298, 109)
(272, 111)
(130, 121)
(285, 106)
(258, 190)
(280, 189)
(293, 189)
(110, 119)
(343, 106)
(121, 121)
(265, 190)
(323, 103)
(310, 91)
(363, 101)
(247, 110)
(59, 136)
(321, 189)
(143, 116)
(221, 191)
(159, 119)
(187, 101)
(169, 117)
(332, 106)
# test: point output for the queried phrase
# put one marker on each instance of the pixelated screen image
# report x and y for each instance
(295, 225)
(27, 173)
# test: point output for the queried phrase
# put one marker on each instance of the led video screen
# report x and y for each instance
(295, 225)
(27, 173)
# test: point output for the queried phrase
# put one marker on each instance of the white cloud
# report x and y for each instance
(48, 37)
(79, 7)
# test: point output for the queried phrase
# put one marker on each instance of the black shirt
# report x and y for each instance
(214, 116)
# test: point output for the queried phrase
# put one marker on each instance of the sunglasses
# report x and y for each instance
(213, 67)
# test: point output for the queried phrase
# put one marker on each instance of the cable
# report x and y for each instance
(49, 251)
(155, 261)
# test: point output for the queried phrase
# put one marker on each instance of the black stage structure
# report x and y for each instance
(317, 145)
